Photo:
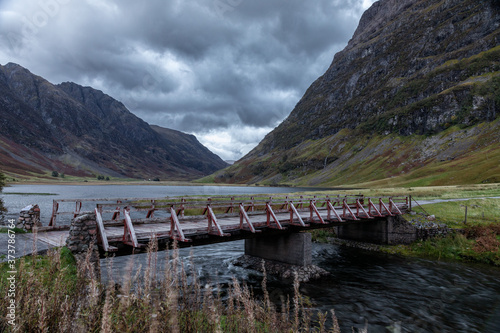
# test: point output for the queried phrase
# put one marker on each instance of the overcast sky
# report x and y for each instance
(227, 71)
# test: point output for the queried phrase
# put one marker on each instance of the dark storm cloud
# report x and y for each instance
(208, 67)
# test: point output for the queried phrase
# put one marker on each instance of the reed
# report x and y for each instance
(54, 294)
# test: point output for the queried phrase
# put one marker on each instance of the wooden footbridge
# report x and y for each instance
(131, 223)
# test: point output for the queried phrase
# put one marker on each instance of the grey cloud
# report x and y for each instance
(203, 122)
(195, 66)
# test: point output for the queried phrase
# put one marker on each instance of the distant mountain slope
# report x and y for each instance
(415, 92)
(190, 150)
(82, 131)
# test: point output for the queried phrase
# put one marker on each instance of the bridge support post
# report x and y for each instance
(82, 242)
(388, 230)
(293, 249)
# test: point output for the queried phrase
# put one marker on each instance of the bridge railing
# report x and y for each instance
(153, 209)
(194, 208)
(221, 205)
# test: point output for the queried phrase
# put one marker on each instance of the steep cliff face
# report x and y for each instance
(413, 68)
(82, 131)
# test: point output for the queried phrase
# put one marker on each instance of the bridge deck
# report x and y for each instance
(198, 226)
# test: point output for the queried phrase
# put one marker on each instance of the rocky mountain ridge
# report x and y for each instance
(82, 131)
(414, 71)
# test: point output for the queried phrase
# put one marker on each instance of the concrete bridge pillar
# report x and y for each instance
(294, 249)
(389, 230)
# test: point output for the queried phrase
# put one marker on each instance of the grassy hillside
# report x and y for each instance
(455, 156)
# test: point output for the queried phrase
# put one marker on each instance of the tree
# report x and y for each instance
(2, 184)
(55, 174)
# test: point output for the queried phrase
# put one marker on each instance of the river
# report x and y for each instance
(381, 291)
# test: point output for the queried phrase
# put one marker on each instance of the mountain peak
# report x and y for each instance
(11, 68)
(11, 65)
(376, 17)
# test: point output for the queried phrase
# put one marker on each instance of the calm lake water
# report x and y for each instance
(16, 197)
(387, 293)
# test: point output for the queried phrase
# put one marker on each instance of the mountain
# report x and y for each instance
(82, 131)
(413, 99)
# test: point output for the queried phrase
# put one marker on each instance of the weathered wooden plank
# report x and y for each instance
(294, 211)
(270, 213)
(53, 238)
(130, 231)
(244, 217)
(175, 227)
(212, 219)
(102, 231)
(314, 210)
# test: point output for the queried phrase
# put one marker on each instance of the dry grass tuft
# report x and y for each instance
(54, 294)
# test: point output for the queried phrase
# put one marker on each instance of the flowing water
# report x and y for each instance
(386, 293)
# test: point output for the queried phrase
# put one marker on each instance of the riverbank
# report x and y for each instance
(475, 239)
(445, 232)
(364, 288)
(56, 293)
(93, 181)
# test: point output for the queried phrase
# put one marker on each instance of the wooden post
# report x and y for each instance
(465, 222)
(55, 208)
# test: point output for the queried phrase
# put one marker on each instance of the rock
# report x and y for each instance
(29, 217)
(282, 270)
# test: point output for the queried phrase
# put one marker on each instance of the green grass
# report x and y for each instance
(454, 247)
(478, 241)
(16, 230)
(210, 179)
(46, 268)
(420, 193)
(446, 248)
(322, 235)
(21, 193)
(479, 211)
